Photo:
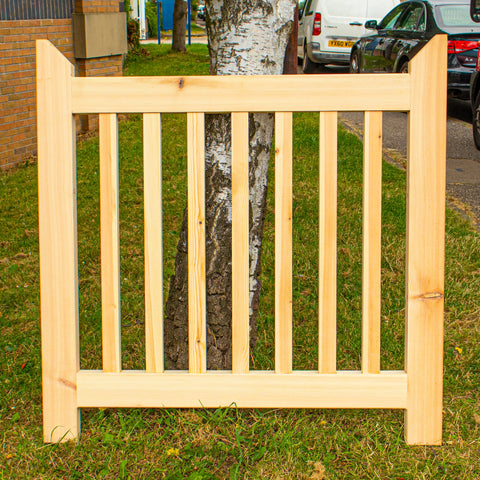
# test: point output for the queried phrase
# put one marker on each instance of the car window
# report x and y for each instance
(411, 18)
(454, 16)
(392, 17)
(422, 24)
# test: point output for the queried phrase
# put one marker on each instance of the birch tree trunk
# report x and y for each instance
(179, 25)
(245, 37)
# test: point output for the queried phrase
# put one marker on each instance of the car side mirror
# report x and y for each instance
(372, 24)
(475, 10)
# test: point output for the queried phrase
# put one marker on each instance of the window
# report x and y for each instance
(306, 9)
(412, 18)
(392, 17)
(454, 16)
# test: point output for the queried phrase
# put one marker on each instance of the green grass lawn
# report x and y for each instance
(229, 443)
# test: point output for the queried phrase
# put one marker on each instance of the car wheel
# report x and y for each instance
(355, 62)
(307, 65)
(476, 121)
(404, 68)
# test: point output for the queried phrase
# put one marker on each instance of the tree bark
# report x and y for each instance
(245, 37)
(179, 26)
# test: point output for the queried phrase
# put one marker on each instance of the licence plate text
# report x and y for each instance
(340, 43)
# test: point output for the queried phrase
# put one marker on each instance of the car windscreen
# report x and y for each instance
(455, 19)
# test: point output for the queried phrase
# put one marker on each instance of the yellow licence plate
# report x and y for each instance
(340, 43)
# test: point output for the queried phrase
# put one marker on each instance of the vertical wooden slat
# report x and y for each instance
(240, 247)
(58, 245)
(110, 242)
(196, 244)
(283, 242)
(152, 192)
(328, 244)
(426, 176)
(372, 232)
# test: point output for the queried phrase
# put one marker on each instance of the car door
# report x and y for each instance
(409, 30)
(373, 46)
(387, 33)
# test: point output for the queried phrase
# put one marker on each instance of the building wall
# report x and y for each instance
(35, 9)
(97, 6)
(18, 140)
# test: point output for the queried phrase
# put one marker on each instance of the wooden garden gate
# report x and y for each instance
(417, 389)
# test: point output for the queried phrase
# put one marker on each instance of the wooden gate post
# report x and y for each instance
(426, 174)
(58, 244)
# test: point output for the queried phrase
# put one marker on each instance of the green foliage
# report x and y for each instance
(128, 9)
(230, 443)
(133, 35)
(151, 14)
(194, 5)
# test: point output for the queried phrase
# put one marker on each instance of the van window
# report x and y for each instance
(392, 18)
(306, 8)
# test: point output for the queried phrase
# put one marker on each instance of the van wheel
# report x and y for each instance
(307, 65)
(476, 121)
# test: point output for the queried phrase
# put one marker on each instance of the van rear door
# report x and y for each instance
(342, 24)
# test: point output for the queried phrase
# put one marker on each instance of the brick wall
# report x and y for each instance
(96, 6)
(17, 82)
(17, 76)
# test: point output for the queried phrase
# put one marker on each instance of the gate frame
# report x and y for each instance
(418, 389)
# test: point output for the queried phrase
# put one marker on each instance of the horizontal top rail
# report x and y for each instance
(253, 93)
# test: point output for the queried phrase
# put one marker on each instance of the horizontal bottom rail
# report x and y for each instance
(301, 389)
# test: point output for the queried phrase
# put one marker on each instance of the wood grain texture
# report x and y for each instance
(418, 390)
(256, 390)
(426, 178)
(240, 246)
(242, 93)
(283, 242)
(110, 243)
(152, 195)
(327, 291)
(197, 304)
(58, 245)
(372, 242)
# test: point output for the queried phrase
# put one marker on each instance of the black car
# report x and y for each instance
(475, 102)
(407, 27)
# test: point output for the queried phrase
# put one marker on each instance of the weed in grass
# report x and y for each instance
(230, 443)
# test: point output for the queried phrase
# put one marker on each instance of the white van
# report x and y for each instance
(327, 29)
